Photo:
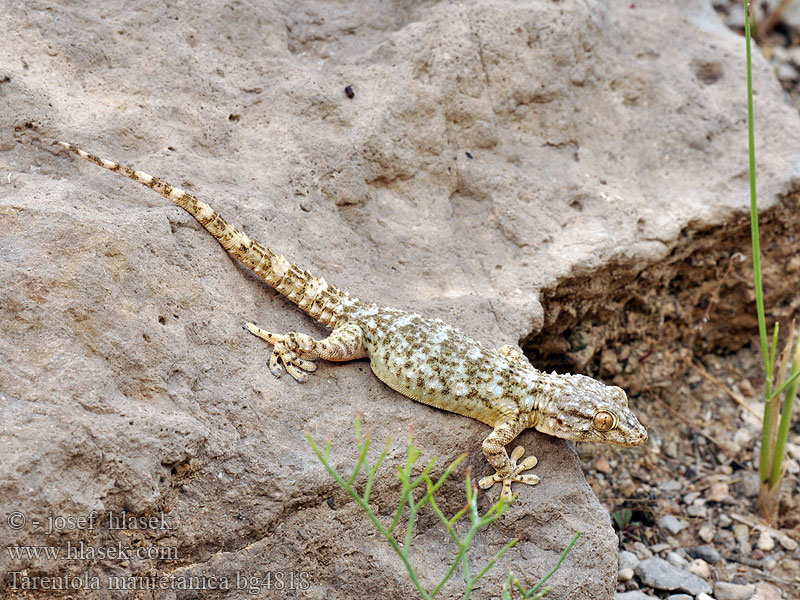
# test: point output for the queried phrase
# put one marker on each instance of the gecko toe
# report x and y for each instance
(527, 479)
(517, 454)
(526, 464)
(486, 482)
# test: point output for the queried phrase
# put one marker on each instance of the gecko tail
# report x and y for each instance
(313, 295)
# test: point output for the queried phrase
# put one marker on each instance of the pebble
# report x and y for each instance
(719, 492)
(659, 574)
(766, 591)
(735, 18)
(691, 497)
(641, 550)
(633, 595)
(628, 560)
(786, 72)
(742, 437)
(697, 511)
(671, 485)
(746, 388)
(741, 533)
(724, 521)
(700, 568)
(704, 597)
(707, 553)
(765, 541)
(677, 560)
(602, 465)
(672, 524)
(658, 548)
(732, 591)
(706, 533)
(679, 597)
(749, 483)
(671, 449)
(625, 574)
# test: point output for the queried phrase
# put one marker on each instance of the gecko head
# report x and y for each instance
(582, 409)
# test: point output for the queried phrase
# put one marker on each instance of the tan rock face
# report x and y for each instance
(489, 151)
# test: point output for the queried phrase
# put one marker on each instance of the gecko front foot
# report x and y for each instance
(512, 473)
(289, 349)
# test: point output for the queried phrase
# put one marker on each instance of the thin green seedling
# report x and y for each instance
(410, 505)
(777, 414)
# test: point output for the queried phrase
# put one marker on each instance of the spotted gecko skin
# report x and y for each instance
(424, 359)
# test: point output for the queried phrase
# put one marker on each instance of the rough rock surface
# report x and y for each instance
(493, 154)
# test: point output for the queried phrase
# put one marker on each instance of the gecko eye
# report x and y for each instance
(603, 420)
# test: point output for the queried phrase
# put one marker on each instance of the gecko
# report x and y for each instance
(424, 359)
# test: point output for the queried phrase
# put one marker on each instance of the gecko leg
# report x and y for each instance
(513, 354)
(297, 351)
(507, 468)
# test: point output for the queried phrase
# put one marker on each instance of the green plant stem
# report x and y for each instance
(786, 421)
(790, 381)
(764, 458)
(402, 553)
(762, 325)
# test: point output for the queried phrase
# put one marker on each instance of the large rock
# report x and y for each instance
(494, 155)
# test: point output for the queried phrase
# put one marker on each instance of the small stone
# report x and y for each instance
(750, 483)
(719, 492)
(780, 54)
(786, 72)
(735, 18)
(671, 450)
(659, 574)
(690, 497)
(642, 551)
(628, 560)
(629, 586)
(732, 591)
(671, 485)
(787, 542)
(672, 524)
(658, 548)
(676, 560)
(741, 533)
(742, 437)
(724, 521)
(700, 568)
(632, 595)
(766, 591)
(625, 574)
(765, 541)
(706, 533)
(602, 465)
(756, 554)
(704, 597)
(707, 553)
(746, 388)
(697, 511)
(679, 597)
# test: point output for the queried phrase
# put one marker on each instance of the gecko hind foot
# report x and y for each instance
(514, 474)
(288, 349)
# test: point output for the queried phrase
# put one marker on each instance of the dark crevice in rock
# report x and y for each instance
(628, 324)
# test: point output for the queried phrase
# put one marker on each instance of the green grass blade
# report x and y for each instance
(762, 324)
(786, 421)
